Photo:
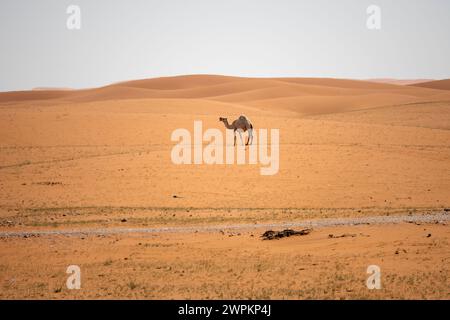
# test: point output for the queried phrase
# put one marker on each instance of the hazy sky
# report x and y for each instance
(122, 40)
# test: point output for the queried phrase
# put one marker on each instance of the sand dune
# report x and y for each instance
(178, 82)
(315, 104)
(18, 96)
(435, 115)
(112, 125)
(100, 158)
(438, 84)
(284, 96)
(402, 82)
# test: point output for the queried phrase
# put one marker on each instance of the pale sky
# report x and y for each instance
(124, 40)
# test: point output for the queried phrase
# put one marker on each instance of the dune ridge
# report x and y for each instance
(92, 169)
(300, 96)
(437, 84)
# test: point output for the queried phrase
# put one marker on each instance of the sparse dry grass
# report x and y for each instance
(216, 266)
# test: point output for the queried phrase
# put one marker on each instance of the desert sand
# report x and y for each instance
(100, 158)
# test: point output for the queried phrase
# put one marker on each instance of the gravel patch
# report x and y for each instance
(430, 218)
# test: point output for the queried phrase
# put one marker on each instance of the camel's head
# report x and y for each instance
(222, 119)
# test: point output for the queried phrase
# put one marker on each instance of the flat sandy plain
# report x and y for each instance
(99, 159)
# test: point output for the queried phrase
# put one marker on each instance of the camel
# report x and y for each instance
(241, 124)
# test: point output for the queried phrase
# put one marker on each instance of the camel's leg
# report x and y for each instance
(250, 136)
(240, 135)
(235, 139)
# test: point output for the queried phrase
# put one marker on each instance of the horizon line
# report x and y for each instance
(378, 79)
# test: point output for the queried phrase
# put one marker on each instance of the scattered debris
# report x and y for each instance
(48, 183)
(7, 223)
(11, 282)
(364, 235)
(429, 235)
(342, 235)
(270, 234)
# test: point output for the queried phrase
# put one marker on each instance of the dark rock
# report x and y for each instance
(270, 234)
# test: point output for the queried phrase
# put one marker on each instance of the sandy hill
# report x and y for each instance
(91, 169)
(437, 84)
(344, 144)
(288, 96)
(399, 81)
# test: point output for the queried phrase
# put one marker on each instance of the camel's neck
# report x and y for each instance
(227, 125)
